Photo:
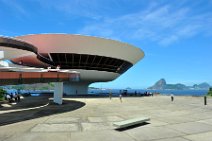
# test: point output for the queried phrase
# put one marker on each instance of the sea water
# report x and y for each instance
(116, 92)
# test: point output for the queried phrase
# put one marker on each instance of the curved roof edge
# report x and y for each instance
(103, 46)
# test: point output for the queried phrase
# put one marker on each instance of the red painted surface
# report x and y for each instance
(11, 78)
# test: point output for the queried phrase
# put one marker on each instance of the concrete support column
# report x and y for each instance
(75, 88)
(58, 92)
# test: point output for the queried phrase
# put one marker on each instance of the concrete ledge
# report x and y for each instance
(130, 122)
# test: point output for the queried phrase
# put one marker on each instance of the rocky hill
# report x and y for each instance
(201, 86)
(161, 85)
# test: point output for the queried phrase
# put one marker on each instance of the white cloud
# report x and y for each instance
(163, 24)
(15, 6)
(5, 32)
(168, 40)
(82, 8)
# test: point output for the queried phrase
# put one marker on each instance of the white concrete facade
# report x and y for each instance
(96, 76)
(58, 93)
(48, 44)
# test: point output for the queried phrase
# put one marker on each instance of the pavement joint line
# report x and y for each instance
(160, 138)
(199, 133)
(54, 131)
(30, 129)
(129, 136)
(46, 119)
(185, 138)
(170, 138)
(186, 134)
(177, 130)
(80, 126)
(7, 138)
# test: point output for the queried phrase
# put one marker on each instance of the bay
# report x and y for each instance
(116, 92)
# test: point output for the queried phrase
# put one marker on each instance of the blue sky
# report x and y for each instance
(176, 35)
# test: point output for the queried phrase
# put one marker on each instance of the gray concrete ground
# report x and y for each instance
(185, 119)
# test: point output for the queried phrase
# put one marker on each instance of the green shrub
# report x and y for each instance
(210, 92)
(2, 92)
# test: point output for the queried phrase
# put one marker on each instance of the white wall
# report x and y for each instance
(58, 92)
(74, 88)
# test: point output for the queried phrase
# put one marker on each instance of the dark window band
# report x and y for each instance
(72, 61)
(87, 62)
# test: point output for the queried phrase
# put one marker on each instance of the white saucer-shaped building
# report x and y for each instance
(96, 59)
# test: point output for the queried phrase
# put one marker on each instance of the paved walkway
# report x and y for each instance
(185, 119)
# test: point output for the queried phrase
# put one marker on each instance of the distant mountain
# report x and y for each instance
(161, 85)
(201, 86)
(176, 86)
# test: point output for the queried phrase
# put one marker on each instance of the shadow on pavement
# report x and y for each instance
(51, 109)
(27, 102)
(132, 127)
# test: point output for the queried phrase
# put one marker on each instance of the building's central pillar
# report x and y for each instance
(75, 88)
(58, 92)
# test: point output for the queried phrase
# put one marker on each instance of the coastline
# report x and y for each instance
(116, 92)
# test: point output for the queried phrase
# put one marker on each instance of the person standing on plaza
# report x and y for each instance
(8, 98)
(120, 97)
(172, 97)
(110, 95)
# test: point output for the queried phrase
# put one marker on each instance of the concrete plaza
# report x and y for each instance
(185, 119)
